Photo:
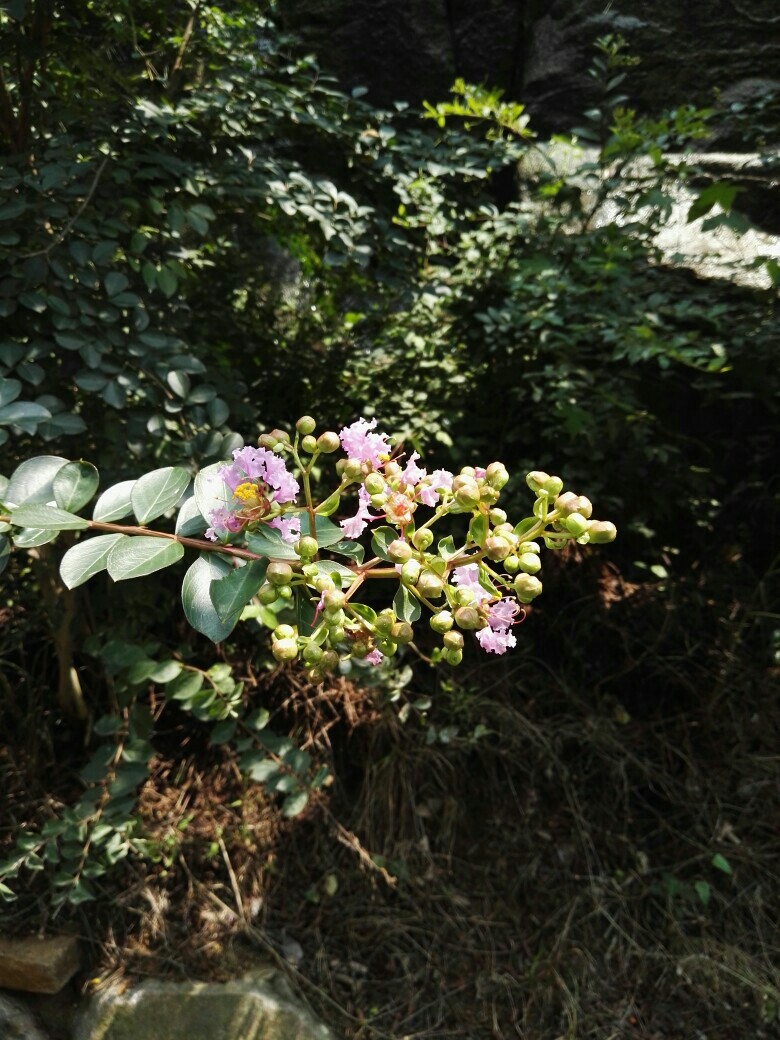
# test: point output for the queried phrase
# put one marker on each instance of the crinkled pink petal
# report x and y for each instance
(495, 642)
(359, 443)
(375, 657)
(468, 577)
(355, 525)
(288, 526)
(502, 614)
(412, 474)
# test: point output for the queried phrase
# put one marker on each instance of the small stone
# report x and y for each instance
(38, 965)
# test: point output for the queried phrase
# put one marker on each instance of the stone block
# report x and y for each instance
(38, 965)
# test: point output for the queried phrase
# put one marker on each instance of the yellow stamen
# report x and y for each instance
(246, 492)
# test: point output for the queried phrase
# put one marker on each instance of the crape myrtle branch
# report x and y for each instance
(261, 513)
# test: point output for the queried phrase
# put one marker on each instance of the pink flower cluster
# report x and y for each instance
(274, 483)
(496, 637)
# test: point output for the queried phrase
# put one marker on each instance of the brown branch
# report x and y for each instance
(62, 235)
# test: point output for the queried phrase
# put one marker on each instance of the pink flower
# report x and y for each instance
(360, 444)
(412, 473)
(260, 464)
(355, 525)
(430, 492)
(375, 657)
(222, 523)
(468, 577)
(288, 526)
(495, 642)
(502, 614)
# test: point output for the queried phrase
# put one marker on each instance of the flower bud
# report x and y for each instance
(489, 494)
(328, 442)
(430, 584)
(453, 656)
(360, 649)
(285, 592)
(385, 620)
(306, 547)
(267, 593)
(468, 618)
(334, 618)
(279, 437)
(464, 597)
(536, 480)
(442, 622)
(467, 494)
(575, 523)
(378, 501)
(399, 551)
(284, 632)
(511, 564)
(386, 647)
(529, 563)
(527, 587)
(278, 573)
(305, 424)
(423, 538)
(352, 468)
(310, 570)
(453, 640)
(410, 572)
(401, 632)
(333, 600)
(553, 486)
(329, 661)
(567, 503)
(584, 506)
(393, 468)
(284, 649)
(312, 653)
(324, 582)
(497, 548)
(602, 531)
(309, 444)
(497, 516)
(526, 547)
(374, 484)
(336, 634)
(496, 475)
(467, 471)
(315, 676)
(265, 440)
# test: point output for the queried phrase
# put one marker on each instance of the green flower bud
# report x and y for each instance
(305, 424)
(285, 592)
(602, 531)
(467, 471)
(511, 564)
(468, 618)
(267, 593)
(385, 620)
(464, 597)
(265, 440)
(309, 444)
(467, 494)
(352, 468)
(497, 548)
(329, 660)
(399, 551)
(310, 570)
(285, 649)
(497, 516)
(328, 442)
(378, 501)
(386, 647)
(401, 632)
(334, 618)
(442, 622)
(374, 484)
(536, 480)
(306, 547)
(279, 573)
(532, 547)
(332, 600)
(279, 437)
(312, 653)
(360, 649)
(575, 523)
(336, 634)
(527, 587)
(430, 584)
(453, 657)
(567, 503)
(529, 563)
(284, 632)
(584, 506)
(393, 469)
(453, 640)
(423, 539)
(496, 475)
(410, 572)
(489, 494)
(324, 582)
(553, 486)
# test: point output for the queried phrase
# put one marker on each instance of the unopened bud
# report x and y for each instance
(285, 592)
(309, 444)
(306, 547)
(399, 551)
(430, 584)
(423, 538)
(401, 632)
(602, 531)
(497, 548)
(385, 620)
(329, 661)
(464, 597)
(312, 653)
(267, 593)
(489, 495)
(527, 587)
(333, 600)
(467, 471)
(336, 634)
(575, 523)
(567, 503)
(468, 618)
(284, 649)
(511, 564)
(536, 480)
(496, 475)
(529, 563)
(553, 486)
(352, 468)
(334, 618)
(453, 657)
(305, 424)
(278, 573)
(328, 442)
(410, 572)
(265, 440)
(374, 484)
(584, 506)
(284, 632)
(280, 436)
(467, 494)
(323, 582)
(442, 622)
(393, 468)
(532, 547)
(453, 640)
(497, 516)
(386, 646)
(378, 501)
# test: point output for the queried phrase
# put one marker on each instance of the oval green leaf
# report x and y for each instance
(75, 484)
(86, 559)
(139, 555)
(196, 597)
(230, 594)
(47, 518)
(32, 481)
(114, 503)
(158, 491)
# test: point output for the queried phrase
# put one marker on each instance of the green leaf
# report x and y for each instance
(33, 480)
(86, 559)
(75, 484)
(196, 597)
(345, 576)
(364, 611)
(703, 891)
(721, 863)
(158, 491)
(185, 686)
(136, 556)
(231, 593)
(327, 533)
(166, 671)
(223, 731)
(107, 724)
(179, 382)
(210, 490)
(720, 194)
(5, 552)
(189, 521)
(23, 412)
(525, 526)
(406, 606)
(29, 537)
(47, 518)
(381, 537)
(330, 505)
(354, 550)
(294, 804)
(115, 283)
(9, 391)
(267, 541)
(167, 281)
(478, 529)
(114, 503)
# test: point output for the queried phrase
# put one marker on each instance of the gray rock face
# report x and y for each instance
(16, 1022)
(257, 1007)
